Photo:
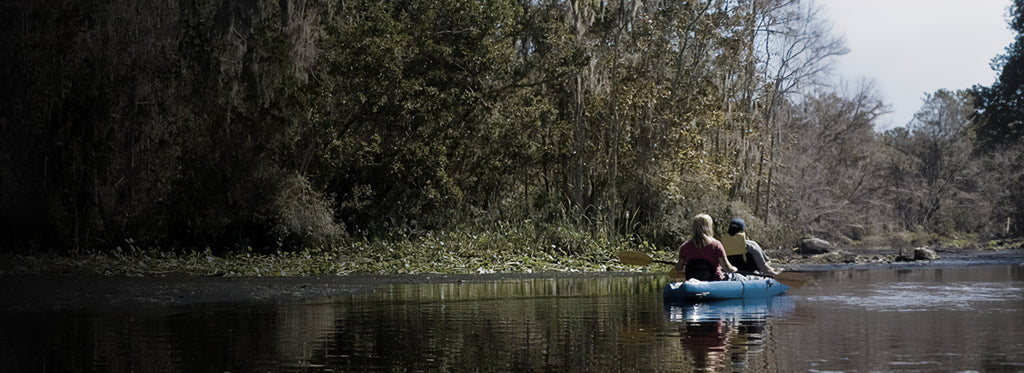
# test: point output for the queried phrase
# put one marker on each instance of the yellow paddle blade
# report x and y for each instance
(635, 258)
(676, 275)
(792, 279)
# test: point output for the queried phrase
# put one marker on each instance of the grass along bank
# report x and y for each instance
(513, 250)
(442, 253)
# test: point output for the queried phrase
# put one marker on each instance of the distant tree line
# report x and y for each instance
(296, 123)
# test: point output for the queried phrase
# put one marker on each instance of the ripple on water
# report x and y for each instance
(922, 296)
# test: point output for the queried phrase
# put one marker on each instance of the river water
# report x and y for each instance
(937, 319)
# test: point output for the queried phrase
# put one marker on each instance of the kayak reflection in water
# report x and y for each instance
(706, 341)
(726, 335)
(743, 253)
(702, 256)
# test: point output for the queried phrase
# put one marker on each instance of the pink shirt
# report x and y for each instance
(712, 253)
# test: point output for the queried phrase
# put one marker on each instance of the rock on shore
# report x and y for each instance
(815, 246)
(920, 253)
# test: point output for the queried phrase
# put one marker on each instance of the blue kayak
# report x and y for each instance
(752, 287)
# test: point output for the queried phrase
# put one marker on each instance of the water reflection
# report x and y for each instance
(980, 289)
(535, 324)
(525, 325)
(726, 333)
(960, 319)
(732, 310)
(922, 319)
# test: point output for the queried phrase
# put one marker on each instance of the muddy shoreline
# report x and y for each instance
(53, 293)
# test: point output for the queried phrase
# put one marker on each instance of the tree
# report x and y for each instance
(798, 50)
(1000, 107)
(232, 123)
(999, 120)
(935, 180)
(829, 178)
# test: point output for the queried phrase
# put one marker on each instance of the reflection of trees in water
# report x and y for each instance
(548, 325)
(209, 338)
(558, 325)
(538, 325)
(514, 324)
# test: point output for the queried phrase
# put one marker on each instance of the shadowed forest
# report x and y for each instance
(302, 124)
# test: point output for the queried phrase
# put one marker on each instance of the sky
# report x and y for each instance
(910, 47)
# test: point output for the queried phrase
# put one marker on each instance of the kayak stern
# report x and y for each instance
(732, 289)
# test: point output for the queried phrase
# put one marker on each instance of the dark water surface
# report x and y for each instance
(944, 319)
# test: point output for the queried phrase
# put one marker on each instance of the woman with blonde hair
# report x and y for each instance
(702, 256)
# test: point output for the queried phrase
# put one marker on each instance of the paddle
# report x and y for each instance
(639, 258)
(791, 279)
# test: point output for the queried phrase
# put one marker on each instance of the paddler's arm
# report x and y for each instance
(681, 263)
(760, 259)
(728, 267)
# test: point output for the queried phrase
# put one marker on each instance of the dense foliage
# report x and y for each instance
(1001, 105)
(999, 122)
(296, 124)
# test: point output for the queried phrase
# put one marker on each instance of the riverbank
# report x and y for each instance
(64, 292)
(991, 252)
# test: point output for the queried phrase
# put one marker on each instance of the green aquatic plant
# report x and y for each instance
(516, 250)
